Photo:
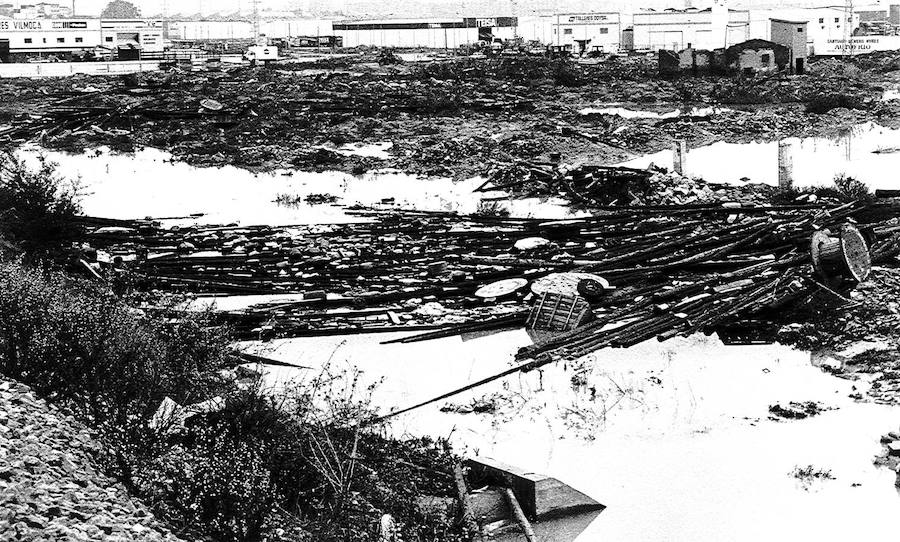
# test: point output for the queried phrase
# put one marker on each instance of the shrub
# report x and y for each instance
(38, 208)
(262, 461)
(213, 484)
(77, 342)
(852, 189)
(824, 103)
(565, 73)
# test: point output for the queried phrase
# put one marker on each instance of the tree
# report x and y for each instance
(120, 9)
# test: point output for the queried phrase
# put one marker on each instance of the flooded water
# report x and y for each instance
(642, 114)
(868, 152)
(673, 438)
(150, 184)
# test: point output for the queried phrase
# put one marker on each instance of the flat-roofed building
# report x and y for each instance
(145, 35)
(712, 28)
(59, 37)
(585, 32)
(428, 33)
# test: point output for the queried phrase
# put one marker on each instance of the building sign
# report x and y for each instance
(22, 26)
(857, 46)
(587, 19)
(70, 25)
(40, 25)
(485, 23)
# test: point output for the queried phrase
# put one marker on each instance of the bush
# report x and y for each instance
(38, 208)
(824, 103)
(259, 464)
(565, 73)
(852, 189)
(77, 342)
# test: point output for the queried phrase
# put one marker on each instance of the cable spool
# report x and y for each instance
(843, 255)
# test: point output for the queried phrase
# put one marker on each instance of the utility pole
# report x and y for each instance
(255, 4)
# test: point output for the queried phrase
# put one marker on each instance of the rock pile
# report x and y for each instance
(674, 189)
(49, 489)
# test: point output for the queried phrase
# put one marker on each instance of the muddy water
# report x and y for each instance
(150, 184)
(674, 438)
(868, 152)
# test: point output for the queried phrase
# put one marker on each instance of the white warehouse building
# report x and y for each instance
(22, 38)
(829, 28)
(582, 32)
(712, 28)
(430, 33)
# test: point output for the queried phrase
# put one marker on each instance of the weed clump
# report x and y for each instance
(254, 464)
(824, 103)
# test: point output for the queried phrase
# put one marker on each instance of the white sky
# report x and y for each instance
(472, 7)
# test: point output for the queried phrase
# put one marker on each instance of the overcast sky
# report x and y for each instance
(421, 8)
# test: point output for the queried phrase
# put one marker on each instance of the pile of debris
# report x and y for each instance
(596, 187)
(667, 270)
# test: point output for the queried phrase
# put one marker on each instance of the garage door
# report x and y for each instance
(666, 40)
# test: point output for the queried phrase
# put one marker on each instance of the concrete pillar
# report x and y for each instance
(680, 153)
(785, 166)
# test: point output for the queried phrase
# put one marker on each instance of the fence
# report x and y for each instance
(63, 69)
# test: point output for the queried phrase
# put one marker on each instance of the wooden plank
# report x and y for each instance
(540, 496)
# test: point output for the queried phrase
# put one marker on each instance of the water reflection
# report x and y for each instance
(868, 152)
(149, 183)
(674, 438)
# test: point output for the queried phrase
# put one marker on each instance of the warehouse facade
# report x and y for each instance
(430, 33)
(68, 38)
(713, 28)
(581, 32)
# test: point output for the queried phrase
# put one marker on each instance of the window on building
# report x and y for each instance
(567, 31)
(79, 40)
(821, 20)
(604, 30)
(60, 40)
(45, 40)
(837, 19)
(27, 40)
(109, 39)
(800, 29)
(765, 59)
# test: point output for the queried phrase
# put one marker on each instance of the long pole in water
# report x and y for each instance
(531, 365)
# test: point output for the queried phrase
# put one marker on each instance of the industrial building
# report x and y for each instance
(67, 38)
(431, 33)
(793, 35)
(183, 30)
(712, 28)
(829, 28)
(579, 32)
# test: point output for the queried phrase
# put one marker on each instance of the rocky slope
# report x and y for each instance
(49, 489)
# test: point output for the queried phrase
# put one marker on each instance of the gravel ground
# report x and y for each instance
(49, 489)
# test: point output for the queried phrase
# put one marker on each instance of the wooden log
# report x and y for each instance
(539, 496)
(462, 492)
(519, 515)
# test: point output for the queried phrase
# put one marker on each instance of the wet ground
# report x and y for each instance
(150, 184)
(675, 438)
(868, 152)
(668, 436)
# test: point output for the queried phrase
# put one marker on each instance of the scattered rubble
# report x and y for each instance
(49, 488)
(810, 474)
(448, 117)
(796, 411)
